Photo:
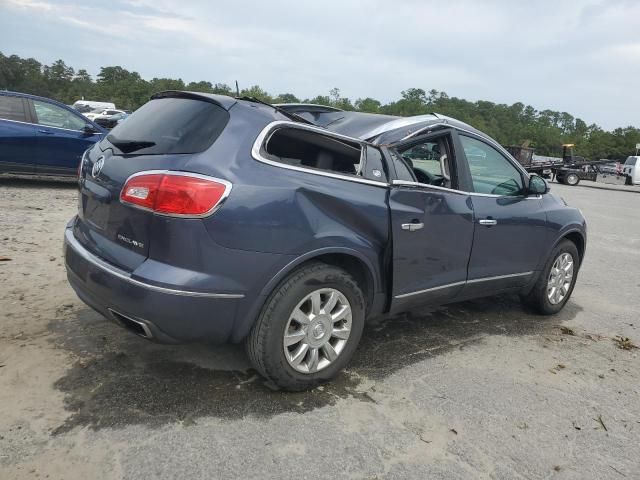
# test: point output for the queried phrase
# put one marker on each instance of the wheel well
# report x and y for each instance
(354, 266)
(578, 241)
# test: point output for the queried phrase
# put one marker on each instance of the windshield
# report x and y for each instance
(631, 161)
(169, 125)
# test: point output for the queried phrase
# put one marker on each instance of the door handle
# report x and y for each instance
(46, 132)
(412, 227)
(488, 222)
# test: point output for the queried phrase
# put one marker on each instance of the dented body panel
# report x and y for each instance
(206, 279)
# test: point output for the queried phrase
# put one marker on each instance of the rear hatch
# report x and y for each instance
(164, 134)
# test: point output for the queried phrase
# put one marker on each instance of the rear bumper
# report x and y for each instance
(165, 314)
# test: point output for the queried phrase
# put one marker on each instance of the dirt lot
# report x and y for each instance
(481, 389)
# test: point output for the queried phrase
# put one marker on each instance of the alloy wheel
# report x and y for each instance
(560, 278)
(317, 331)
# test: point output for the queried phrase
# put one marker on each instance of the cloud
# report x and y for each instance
(25, 4)
(576, 55)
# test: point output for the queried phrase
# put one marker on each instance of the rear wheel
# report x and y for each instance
(572, 179)
(309, 327)
(556, 281)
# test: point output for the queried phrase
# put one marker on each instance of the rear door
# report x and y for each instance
(432, 222)
(17, 136)
(510, 225)
(61, 138)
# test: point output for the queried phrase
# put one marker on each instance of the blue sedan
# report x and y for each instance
(39, 136)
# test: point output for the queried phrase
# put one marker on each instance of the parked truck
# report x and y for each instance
(571, 168)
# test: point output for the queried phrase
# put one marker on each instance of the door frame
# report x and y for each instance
(461, 181)
(458, 164)
(524, 175)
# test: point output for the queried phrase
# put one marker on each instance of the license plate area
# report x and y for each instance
(77, 264)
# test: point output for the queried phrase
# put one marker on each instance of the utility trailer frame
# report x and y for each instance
(570, 170)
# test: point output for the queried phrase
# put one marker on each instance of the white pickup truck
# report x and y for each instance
(631, 169)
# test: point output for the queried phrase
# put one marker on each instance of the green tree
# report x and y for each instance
(286, 98)
(202, 86)
(512, 124)
(370, 105)
(256, 92)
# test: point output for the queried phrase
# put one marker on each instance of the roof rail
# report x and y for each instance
(306, 107)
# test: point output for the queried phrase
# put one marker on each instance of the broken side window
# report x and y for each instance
(304, 148)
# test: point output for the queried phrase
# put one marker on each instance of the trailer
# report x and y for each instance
(542, 166)
(570, 169)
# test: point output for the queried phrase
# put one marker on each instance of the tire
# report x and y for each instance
(560, 180)
(265, 344)
(538, 297)
(572, 179)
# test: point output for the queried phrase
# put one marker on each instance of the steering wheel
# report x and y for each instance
(438, 181)
(423, 177)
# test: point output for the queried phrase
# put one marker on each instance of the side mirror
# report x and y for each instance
(538, 185)
(89, 129)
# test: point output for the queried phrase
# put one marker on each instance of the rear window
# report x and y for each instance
(11, 108)
(169, 125)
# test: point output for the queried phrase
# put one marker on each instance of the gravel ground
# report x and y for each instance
(481, 389)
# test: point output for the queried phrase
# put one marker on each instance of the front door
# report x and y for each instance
(510, 225)
(432, 222)
(61, 138)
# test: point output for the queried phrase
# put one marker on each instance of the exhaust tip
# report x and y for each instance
(135, 326)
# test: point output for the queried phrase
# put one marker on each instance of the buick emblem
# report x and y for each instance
(97, 167)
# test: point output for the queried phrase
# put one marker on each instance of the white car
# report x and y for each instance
(84, 106)
(631, 168)
(102, 113)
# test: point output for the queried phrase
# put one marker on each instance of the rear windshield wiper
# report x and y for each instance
(290, 115)
(128, 146)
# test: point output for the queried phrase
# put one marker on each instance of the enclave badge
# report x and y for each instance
(97, 167)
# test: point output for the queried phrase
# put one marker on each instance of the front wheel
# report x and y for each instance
(556, 281)
(309, 327)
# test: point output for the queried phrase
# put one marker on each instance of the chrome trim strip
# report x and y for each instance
(499, 277)
(256, 152)
(426, 129)
(262, 137)
(121, 274)
(227, 191)
(49, 126)
(405, 183)
(448, 285)
(455, 284)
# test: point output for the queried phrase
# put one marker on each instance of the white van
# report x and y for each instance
(631, 168)
(84, 106)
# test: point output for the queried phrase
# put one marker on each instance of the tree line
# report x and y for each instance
(517, 124)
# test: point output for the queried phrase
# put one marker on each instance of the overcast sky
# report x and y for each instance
(579, 56)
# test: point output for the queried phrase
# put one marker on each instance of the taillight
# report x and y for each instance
(175, 193)
(81, 164)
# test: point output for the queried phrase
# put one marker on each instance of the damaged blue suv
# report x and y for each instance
(205, 218)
